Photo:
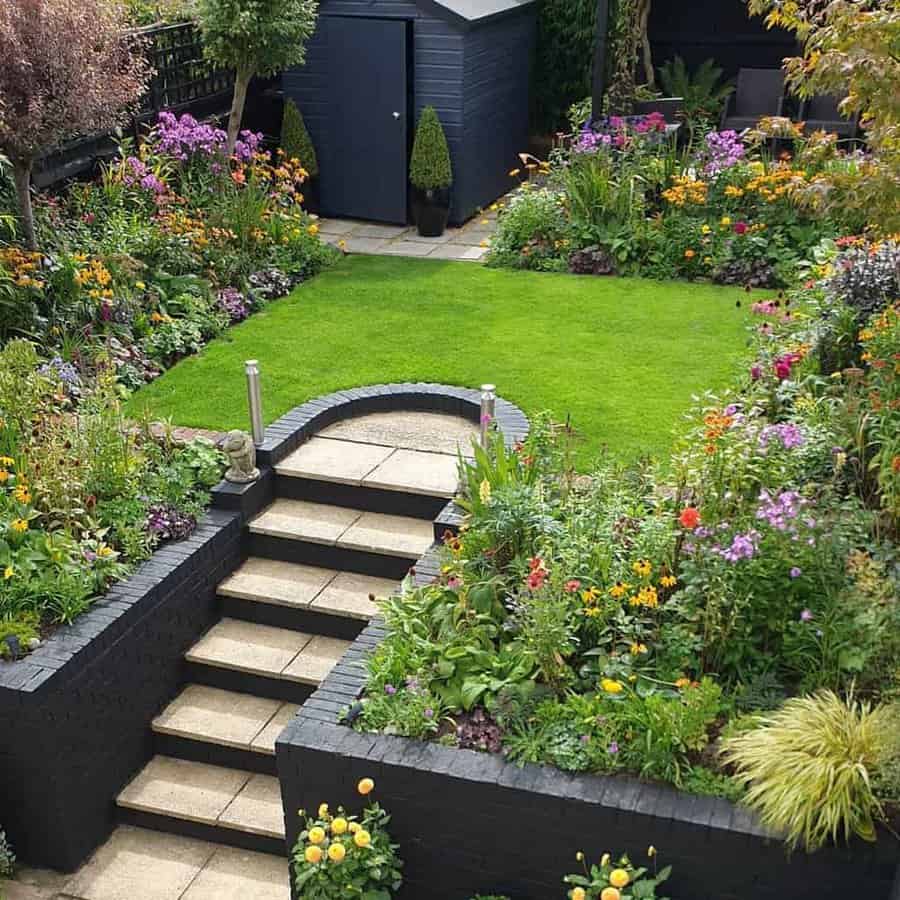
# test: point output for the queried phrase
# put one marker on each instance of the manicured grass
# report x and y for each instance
(622, 357)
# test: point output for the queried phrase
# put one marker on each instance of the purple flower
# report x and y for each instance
(788, 434)
(585, 738)
(230, 300)
(806, 615)
(613, 748)
(454, 582)
(152, 184)
(796, 572)
(780, 511)
(390, 690)
(169, 524)
(486, 419)
(743, 546)
(724, 149)
(755, 373)
(428, 713)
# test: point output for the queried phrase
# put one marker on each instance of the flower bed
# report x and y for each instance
(727, 624)
(622, 196)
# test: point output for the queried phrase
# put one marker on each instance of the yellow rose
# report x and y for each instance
(366, 786)
(726, 221)
(316, 835)
(362, 838)
(578, 894)
(610, 893)
(619, 878)
(313, 855)
(337, 852)
(339, 825)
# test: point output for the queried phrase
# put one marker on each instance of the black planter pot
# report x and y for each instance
(432, 209)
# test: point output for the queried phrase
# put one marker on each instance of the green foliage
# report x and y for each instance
(620, 873)
(809, 767)
(532, 232)
(7, 857)
(429, 166)
(259, 37)
(563, 58)
(295, 140)
(703, 91)
(23, 629)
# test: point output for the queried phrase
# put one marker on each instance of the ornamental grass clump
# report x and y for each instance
(809, 768)
(430, 168)
(341, 855)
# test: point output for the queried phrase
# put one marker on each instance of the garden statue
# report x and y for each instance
(238, 447)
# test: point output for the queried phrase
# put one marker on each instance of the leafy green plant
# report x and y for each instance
(342, 855)
(429, 167)
(808, 768)
(7, 857)
(703, 91)
(295, 140)
(609, 878)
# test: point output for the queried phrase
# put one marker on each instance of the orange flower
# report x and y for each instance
(689, 518)
(238, 177)
(690, 254)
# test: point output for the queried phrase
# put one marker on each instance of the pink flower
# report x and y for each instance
(782, 370)
(755, 373)
(740, 227)
(572, 586)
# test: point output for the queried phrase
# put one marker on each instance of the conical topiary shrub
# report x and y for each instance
(295, 139)
(430, 168)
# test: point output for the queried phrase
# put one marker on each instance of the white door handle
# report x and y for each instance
(396, 115)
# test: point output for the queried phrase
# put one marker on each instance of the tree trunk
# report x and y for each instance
(241, 83)
(601, 46)
(649, 72)
(22, 178)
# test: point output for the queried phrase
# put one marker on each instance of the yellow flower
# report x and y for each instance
(637, 649)
(578, 894)
(313, 855)
(705, 229)
(579, 856)
(611, 686)
(618, 590)
(105, 551)
(316, 835)
(514, 172)
(337, 852)
(4, 475)
(484, 491)
(668, 581)
(619, 878)
(484, 243)
(353, 827)
(485, 222)
(362, 838)
(682, 682)
(339, 825)
(342, 245)
(7, 461)
(20, 525)
(22, 494)
(8, 573)
(651, 851)
(707, 260)
(313, 229)
(140, 285)
(642, 567)
(610, 893)
(323, 810)
(726, 221)
(366, 786)
(604, 860)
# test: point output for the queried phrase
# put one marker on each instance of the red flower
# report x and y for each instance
(689, 518)
(740, 227)
(782, 370)
(572, 586)
(535, 563)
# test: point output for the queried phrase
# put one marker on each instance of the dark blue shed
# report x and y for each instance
(372, 65)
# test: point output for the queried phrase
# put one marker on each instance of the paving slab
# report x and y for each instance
(277, 582)
(385, 232)
(136, 864)
(445, 238)
(348, 595)
(316, 660)
(389, 535)
(435, 432)
(248, 647)
(451, 252)
(240, 875)
(341, 462)
(337, 226)
(215, 716)
(408, 248)
(257, 808)
(264, 742)
(187, 790)
(475, 253)
(364, 245)
(417, 472)
(301, 520)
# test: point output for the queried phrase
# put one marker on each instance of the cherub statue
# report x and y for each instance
(238, 447)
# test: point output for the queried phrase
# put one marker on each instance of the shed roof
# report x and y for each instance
(477, 12)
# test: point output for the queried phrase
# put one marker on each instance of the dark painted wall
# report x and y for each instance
(718, 29)
(75, 714)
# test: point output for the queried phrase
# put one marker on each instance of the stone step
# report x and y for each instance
(262, 660)
(225, 719)
(373, 466)
(139, 864)
(229, 806)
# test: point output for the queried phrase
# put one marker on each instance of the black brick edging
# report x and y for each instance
(470, 822)
(74, 714)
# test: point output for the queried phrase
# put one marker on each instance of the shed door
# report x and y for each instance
(365, 175)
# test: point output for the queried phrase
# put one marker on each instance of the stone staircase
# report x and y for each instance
(354, 510)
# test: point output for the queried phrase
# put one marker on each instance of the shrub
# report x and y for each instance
(295, 139)
(703, 92)
(430, 167)
(866, 278)
(7, 857)
(342, 855)
(809, 767)
(532, 232)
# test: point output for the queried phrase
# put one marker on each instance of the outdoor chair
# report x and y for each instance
(760, 92)
(822, 113)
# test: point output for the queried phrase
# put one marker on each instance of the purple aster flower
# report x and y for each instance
(390, 690)
(796, 572)
(724, 149)
(806, 615)
(428, 713)
(613, 748)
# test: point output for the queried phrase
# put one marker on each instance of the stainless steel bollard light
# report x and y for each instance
(254, 399)
(488, 408)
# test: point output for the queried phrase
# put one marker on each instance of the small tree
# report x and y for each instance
(295, 139)
(430, 167)
(67, 67)
(254, 37)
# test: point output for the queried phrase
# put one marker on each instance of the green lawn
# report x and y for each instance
(622, 357)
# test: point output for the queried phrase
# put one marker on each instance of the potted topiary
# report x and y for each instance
(431, 175)
(297, 144)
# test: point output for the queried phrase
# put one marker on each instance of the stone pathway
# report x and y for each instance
(203, 820)
(466, 244)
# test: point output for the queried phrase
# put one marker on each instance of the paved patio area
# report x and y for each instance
(466, 244)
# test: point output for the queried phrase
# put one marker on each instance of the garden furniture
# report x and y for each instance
(822, 113)
(760, 92)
